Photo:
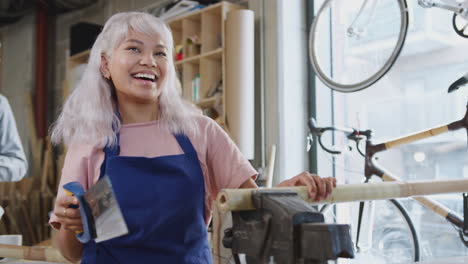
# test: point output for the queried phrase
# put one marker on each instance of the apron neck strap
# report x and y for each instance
(185, 143)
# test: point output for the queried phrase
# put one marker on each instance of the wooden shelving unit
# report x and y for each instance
(208, 25)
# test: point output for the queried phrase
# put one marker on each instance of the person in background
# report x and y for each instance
(166, 161)
(13, 163)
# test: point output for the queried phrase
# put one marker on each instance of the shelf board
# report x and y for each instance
(213, 54)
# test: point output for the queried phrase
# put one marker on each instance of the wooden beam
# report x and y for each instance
(240, 199)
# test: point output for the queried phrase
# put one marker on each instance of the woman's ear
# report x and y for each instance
(104, 66)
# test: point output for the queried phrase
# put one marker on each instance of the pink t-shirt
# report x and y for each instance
(222, 163)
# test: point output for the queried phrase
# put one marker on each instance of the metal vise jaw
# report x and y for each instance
(285, 229)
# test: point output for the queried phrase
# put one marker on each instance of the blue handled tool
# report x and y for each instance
(100, 213)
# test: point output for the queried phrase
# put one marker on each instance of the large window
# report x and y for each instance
(411, 97)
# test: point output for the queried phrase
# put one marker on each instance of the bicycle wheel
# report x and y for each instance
(352, 44)
(460, 25)
(387, 233)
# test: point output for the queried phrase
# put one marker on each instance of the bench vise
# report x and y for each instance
(284, 229)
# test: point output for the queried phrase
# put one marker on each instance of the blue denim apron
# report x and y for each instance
(163, 201)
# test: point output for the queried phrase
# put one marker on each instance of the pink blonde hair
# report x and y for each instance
(88, 115)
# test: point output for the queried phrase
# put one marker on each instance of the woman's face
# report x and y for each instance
(138, 68)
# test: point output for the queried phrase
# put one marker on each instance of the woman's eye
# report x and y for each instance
(160, 53)
(133, 49)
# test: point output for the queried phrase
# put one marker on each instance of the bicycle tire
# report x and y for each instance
(352, 87)
(379, 252)
(462, 32)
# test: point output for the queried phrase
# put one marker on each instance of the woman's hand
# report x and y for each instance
(319, 188)
(69, 218)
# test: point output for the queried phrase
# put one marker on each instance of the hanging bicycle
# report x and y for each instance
(362, 39)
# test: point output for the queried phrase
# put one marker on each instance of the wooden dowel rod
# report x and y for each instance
(240, 199)
(48, 254)
(271, 167)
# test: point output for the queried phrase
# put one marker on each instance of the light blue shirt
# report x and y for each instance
(13, 164)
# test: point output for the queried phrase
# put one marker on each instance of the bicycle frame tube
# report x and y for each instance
(450, 5)
(430, 204)
(372, 168)
(462, 123)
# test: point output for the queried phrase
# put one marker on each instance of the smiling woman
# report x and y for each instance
(166, 162)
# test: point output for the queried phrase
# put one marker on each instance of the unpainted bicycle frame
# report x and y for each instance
(372, 168)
